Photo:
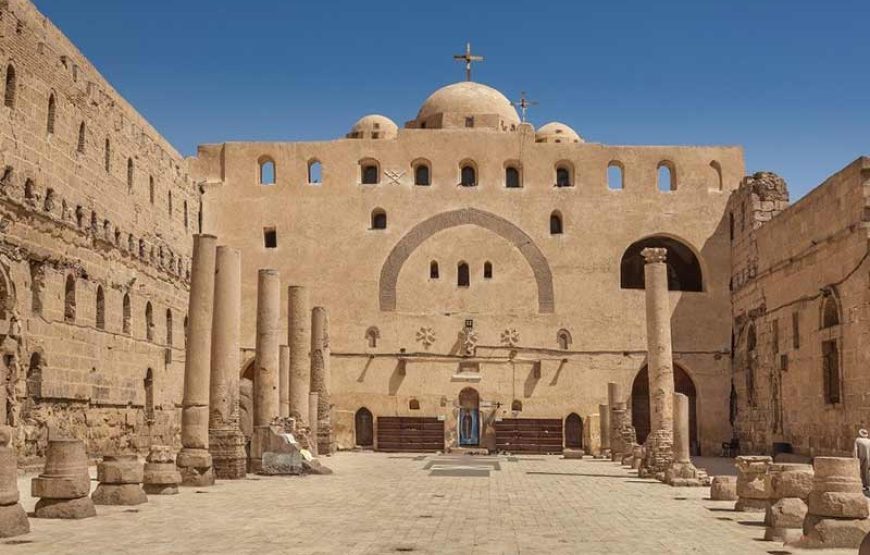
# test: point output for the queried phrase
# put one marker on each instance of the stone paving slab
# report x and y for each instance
(377, 504)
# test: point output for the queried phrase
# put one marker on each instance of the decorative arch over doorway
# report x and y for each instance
(640, 405)
(364, 428)
(454, 218)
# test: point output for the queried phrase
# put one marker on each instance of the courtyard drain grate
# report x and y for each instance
(461, 472)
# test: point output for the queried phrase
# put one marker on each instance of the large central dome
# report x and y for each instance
(467, 104)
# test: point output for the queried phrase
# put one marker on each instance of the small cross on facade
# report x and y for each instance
(468, 58)
(524, 104)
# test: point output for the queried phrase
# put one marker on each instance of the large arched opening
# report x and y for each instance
(640, 405)
(684, 268)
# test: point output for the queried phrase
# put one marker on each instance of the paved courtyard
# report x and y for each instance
(380, 503)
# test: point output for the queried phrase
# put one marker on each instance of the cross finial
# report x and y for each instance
(468, 57)
(524, 104)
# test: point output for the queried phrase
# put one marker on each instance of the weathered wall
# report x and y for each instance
(325, 242)
(119, 222)
(787, 263)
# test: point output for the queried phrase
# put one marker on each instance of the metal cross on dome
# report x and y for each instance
(468, 58)
(524, 104)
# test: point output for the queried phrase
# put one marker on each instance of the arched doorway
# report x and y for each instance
(574, 431)
(640, 405)
(469, 417)
(364, 426)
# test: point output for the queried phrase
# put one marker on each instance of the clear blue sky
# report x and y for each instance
(787, 79)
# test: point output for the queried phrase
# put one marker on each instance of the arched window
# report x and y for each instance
(516, 405)
(315, 171)
(563, 338)
(34, 377)
(421, 174)
(129, 174)
(100, 318)
(667, 176)
(717, 175)
(80, 216)
(373, 334)
(149, 396)
(80, 146)
(564, 177)
(433, 270)
(149, 322)
(684, 270)
(414, 404)
(107, 156)
(379, 219)
(69, 299)
(267, 171)
(370, 174)
(169, 327)
(463, 278)
(615, 175)
(29, 193)
(556, 223)
(52, 108)
(468, 176)
(830, 311)
(9, 94)
(512, 178)
(487, 270)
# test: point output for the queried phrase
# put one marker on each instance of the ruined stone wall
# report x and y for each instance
(788, 262)
(92, 200)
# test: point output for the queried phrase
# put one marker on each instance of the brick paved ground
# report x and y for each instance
(378, 503)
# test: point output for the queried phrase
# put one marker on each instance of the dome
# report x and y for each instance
(467, 104)
(556, 132)
(373, 126)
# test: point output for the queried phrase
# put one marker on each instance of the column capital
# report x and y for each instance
(654, 254)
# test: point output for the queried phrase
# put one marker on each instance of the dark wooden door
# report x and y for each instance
(365, 428)
(529, 435)
(410, 434)
(573, 432)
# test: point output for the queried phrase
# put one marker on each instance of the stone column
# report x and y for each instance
(13, 519)
(266, 396)
(614, 396)
(194, 461)
(618, 446)
(312, 421)
(320, 377)
(298, 339)
(604, 426)
(284, 380)
(660, 365)
(682, 472)
(226, 441)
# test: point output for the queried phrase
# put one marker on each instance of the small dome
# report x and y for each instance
(457, 105)
(373, 126)
(555, 132)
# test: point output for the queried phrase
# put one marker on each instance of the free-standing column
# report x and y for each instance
(604, 427)
(266, 395)
(284, 380)
(194, 461)
(616, 445)
(312, 419)
(660, 365)
(682, 472)
(226, 441)
(298, 339)
(320, 376)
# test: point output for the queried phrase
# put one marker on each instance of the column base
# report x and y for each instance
(195, 467)
(229, 458)
(325, 440)
(13, 521)
(658, 453)
(81, 507)
(686, 474)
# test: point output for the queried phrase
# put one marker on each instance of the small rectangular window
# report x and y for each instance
(796, 330)
(783, 363)
(469, 122)
(270, 237)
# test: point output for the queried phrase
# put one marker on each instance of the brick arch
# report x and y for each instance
(466, 216)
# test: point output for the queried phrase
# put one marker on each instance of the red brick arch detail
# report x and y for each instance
(466, 216)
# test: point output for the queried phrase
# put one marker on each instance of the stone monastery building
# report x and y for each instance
(482, 276)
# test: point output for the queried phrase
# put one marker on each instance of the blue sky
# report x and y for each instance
(787, 79)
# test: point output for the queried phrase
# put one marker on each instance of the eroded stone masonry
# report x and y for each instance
(465, 281)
